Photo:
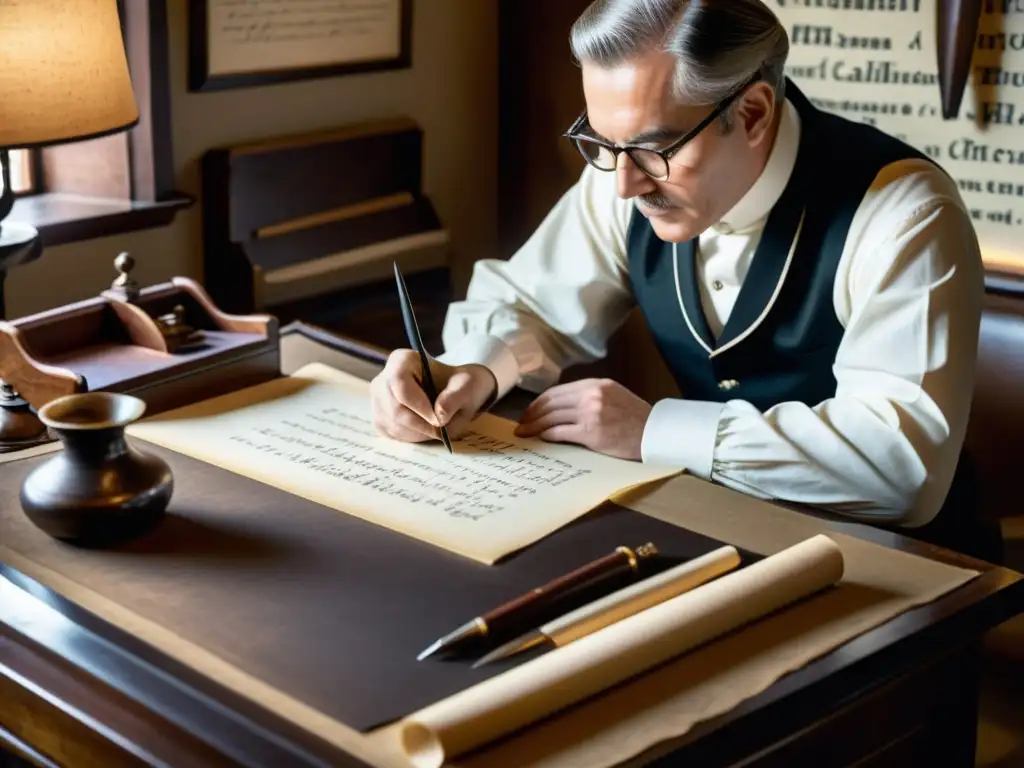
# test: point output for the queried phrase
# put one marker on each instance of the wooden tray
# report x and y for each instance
(114, 343)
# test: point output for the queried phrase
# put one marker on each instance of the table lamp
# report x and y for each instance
(63, 78)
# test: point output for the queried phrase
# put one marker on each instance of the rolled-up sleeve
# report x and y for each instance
(556, 301)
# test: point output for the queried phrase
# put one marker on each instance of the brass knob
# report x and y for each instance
(124, 263)
(124, 284)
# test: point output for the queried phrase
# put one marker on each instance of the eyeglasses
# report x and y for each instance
(604, 155)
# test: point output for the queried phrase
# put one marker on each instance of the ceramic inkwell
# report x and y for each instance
(99, 489)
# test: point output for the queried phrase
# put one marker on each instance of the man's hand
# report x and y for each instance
(401, 408)
(599, 414)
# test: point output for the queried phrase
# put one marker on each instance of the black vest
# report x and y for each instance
(788, 355)
(781, 348)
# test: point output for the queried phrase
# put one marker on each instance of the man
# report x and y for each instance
(814, 285)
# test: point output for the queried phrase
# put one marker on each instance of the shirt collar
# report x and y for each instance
(755, 205)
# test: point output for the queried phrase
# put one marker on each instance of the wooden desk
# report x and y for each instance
(75, 692)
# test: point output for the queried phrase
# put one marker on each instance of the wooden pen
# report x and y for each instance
(511, 615)
(412, 331)
(621, 604)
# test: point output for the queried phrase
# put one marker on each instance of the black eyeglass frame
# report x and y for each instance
(666, 153)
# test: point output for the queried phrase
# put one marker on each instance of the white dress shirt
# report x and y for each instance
(908, 292)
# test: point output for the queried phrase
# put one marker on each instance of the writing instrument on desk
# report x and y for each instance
(412, 331)
(500, 619)
(620, 604)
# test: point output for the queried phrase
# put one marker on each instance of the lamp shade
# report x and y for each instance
(63, 72)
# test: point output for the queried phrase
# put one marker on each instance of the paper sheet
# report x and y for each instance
(260, 35)
(312, 434)
(601, 660)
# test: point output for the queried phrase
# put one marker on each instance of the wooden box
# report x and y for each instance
(293, 221)
(115, 343)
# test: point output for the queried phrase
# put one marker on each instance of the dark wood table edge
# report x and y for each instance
(121, 665)
(118, 665)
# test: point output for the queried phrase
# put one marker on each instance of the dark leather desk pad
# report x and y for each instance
(325, 607)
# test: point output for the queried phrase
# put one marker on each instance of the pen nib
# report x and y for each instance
(430, 650)
(465, 633)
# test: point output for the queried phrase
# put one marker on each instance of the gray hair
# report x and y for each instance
(719, 44)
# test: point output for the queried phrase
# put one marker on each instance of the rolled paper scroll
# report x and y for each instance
(958, 32)
(594, 663)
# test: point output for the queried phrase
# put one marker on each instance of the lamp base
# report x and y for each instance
(19, 243)
(19, 426)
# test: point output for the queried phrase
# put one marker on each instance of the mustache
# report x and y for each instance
(655, 201)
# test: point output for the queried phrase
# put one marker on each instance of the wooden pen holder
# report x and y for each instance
(167, 344)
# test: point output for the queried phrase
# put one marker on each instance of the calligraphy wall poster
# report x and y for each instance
(876, 61)
(239, 43)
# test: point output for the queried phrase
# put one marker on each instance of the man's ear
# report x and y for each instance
(755, 112)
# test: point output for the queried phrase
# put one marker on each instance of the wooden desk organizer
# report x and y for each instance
(115, 343)
(295, 220)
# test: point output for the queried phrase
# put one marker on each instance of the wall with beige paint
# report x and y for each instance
(451, 91)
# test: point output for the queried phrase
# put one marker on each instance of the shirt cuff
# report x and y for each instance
(682, 433)
(489, 351)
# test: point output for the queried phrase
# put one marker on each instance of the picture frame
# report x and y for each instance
(246, 43)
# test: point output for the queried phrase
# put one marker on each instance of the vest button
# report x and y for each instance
(728, 384)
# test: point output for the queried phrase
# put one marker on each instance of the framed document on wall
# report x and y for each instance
(875, 61)
(239, 43)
